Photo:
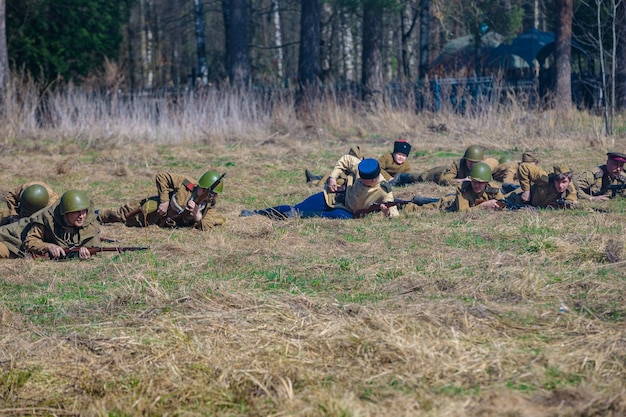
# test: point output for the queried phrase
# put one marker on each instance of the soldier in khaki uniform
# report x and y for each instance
(476, 193)
(506, 170)
(555, 192)
(448, 175)
(25, 200)
(180, 203)
(70, 222)
(529, 172)
(364, 187)
(594, 185)
(320, 181)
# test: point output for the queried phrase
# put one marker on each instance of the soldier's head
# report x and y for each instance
(615, 163)
(505, 159)
(73, 207)
(561, 178)
(32, 199)
(401, 149)
(480, 175)
(206, 181)
(530, 157)
(473, 154)
(369, 171)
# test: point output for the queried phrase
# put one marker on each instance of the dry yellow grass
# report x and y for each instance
(430, 314)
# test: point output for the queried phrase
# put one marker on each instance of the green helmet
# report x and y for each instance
(207, 180)
(33, 198)
(505, 159)
(480, 172)
(74, 200)
(474, 153)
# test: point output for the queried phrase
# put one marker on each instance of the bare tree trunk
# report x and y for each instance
(309, 56)
(4, 60)
(372, 71)
(326, 35)
(278, 39)
(563, 52)
(236, 24)
(347, 45)
(621, 55)
(424, 37)
(203, 67)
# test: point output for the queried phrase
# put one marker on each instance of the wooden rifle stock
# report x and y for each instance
(75, 250)
(376, 207)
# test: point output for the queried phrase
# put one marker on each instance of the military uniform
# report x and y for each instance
(173, 188)
(352, 197)
(528, 174)
(33, 234)
(354, 151)
(389, 168)
(13, 202)
(543, 194)
(357, 196)
(506, 172)
(467, 199)
(596, 183)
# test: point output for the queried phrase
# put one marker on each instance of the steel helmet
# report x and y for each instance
(474, 153)
(33, 198)
(505, 159)
(207, 180)
(480, 172)
(74, 200)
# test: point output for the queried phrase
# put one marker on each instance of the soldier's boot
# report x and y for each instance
(400, 180)
(507, 187)
(274, 213)
(310, 177)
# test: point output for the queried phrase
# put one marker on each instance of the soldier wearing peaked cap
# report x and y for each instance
(595, 184)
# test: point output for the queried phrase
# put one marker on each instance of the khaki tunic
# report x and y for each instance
(458, 170)
(13, 201)
(467, 199)
(341, 179)
(506, 172)
(595, 183)
(33, 234)
(390, 168)
(175, 188)
(528, 174)
(356, 195)
(544, 195)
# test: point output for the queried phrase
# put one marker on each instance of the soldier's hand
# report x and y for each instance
(526, 196)
(386, 211)
(191, 205)
(83, 253)
(490, 204)
(332, 185)
(55, 251)
(162, 210)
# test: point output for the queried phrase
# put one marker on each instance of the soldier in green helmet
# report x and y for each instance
(477, 193)
(68, 223)
(180, 203)
(474, 193)
(448, 175)
(25, 200)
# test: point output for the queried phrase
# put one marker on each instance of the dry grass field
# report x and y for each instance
(431, 314)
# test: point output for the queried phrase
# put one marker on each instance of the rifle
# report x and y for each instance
(615, 188)
(376, 207)
(509, 205)
(75, 250)
(562, 203)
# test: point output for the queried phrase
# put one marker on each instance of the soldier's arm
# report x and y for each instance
(347, 165)
(449, 176)
(166, 183)
(34, 240)
(13, 200)
(529, 174)
(210, 219)
(583, 184)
